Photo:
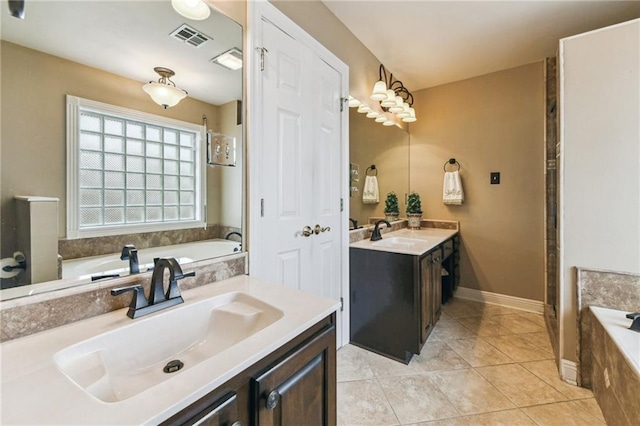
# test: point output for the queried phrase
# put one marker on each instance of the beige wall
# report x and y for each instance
(34, 86)
(387, 148)
(225, 183)
(492, 123)
(600, 161)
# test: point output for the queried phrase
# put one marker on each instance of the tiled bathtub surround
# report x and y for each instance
(84, 247)
(482, 365)
(32, 314)
(607, 289)
(365, 232)
(615, 375)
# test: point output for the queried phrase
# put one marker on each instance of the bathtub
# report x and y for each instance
(615, 352)
(110, 264)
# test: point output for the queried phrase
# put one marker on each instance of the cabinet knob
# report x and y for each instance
(272, 400)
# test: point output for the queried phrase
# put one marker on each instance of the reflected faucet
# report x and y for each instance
(239, 235)
(375, 235)
(158, 298)
(354, 222)
(129, 252)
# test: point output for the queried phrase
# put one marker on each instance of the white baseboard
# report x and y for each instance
(569, 371)
(490, 298)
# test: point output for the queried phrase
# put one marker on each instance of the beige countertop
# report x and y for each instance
(426, 239)
(36, 391)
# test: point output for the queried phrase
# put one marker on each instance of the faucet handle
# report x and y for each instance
(138, 301)
(173, 290)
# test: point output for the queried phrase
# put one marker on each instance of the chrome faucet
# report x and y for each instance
(375, 235)
(129, 252)
(158, 298)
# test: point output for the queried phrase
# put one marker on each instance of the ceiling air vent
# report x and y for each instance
(190, 36)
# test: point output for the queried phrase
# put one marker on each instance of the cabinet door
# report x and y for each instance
(436, 285)
(301, 389)
(426, 297)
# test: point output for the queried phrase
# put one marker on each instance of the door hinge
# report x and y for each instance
(341, 204)
(341, 304)
(262, 50)
(342, 102)
(261, 207)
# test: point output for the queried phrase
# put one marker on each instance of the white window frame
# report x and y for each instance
(74, 106)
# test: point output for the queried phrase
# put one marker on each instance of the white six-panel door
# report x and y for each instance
(300, 156)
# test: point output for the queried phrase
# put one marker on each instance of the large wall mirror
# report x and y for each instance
(386, 148)
(147, 169)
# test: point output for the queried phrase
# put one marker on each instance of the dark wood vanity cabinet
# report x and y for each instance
(396, 300)
(295, 385)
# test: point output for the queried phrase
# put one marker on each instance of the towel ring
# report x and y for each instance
(451, 161)
(373, 169)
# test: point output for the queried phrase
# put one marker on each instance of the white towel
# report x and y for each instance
(370, 193)
(452, 189)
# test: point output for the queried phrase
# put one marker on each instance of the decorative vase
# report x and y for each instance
(414, 220)
(391, 216)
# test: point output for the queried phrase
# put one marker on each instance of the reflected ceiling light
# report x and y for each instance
(164, 91)
(381, 119)
(393, 96)
(363, 109)
(353, 102)
(231, 59)
(16, 8)
(191, 9)
(372, 114)
(388, 123)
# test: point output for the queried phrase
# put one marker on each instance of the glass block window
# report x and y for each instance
(131, 171)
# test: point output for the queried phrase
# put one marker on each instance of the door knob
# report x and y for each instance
(318, 229)
(307, 231)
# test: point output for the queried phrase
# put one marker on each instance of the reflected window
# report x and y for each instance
(129, 171)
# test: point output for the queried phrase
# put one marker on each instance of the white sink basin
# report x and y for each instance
(121, 363)
(402, 243)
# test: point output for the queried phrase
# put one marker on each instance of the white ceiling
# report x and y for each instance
(130, 38)
(437, 42)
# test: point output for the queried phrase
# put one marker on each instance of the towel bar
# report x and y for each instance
(373, 169)
(451, 161)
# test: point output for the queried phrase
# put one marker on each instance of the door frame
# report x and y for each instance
(259, 10)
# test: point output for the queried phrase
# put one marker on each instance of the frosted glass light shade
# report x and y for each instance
(164, 94)
(363, 109)
(390, 100)
(388, 123)
(405, 111)
(381, 119)
(412, 116)
(398, 105)
(379, 91)
(353, 102)
(372, 114)
(191, 9)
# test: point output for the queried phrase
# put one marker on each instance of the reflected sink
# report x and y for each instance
(119, 364)
(402, 243)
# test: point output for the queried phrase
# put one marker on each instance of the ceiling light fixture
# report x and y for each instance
(393, 96)
(16, 8)
(191, 9)
(231, 59)
(164, 91)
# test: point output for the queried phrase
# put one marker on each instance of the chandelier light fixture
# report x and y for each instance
(393, 96)
(192, 9)
(164, 91)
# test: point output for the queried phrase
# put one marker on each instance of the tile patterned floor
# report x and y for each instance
(482, 365)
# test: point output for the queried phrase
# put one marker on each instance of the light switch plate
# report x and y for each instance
(495, 178)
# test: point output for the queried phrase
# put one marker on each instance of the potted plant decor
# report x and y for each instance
(391, 211)
(414, 210)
